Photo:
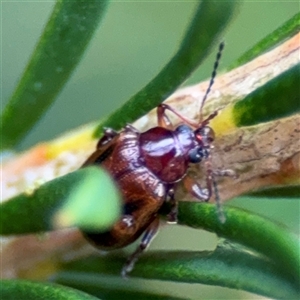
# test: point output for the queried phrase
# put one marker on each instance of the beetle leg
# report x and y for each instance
(145, 242)
(210, 178)
(109, 134)
(202, 194)
(225, 172)
(164, 121)
(172, 215)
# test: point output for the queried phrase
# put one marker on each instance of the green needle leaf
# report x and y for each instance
(288, 192)
(280, 97)
(209, 22)
(94, 204)
(86, 198)
(253, 231)
(61, 46)
(289, 28)
(108, 287)
(275, 262)
(29, 290)
(228, 266)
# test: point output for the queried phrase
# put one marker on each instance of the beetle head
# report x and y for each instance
(204, 136)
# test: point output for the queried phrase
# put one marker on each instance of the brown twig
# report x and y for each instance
(263, 155)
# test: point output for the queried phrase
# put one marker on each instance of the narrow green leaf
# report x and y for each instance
(59, 50)
(209, 22)
(94, 204)
(291, 192)
(288, 29)
(227, 266)
(107, 287)
(29, 290)
(253, 231)
(280, 97)
(276, 261)
(90, 195)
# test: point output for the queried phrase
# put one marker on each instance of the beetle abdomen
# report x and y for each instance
(142, 191)
(143, 196)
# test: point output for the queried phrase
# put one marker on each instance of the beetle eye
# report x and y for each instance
(183, 128)
(197, 154)
(207, 134)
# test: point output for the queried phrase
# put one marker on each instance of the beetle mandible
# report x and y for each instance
(146, 166)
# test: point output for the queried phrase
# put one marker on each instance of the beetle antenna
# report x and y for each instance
(213, 75)
(220, 211)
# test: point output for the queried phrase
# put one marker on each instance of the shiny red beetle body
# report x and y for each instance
(146, 166)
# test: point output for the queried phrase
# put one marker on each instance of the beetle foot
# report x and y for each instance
(202, 194)
(172, 217)
(147, 238)
(127, 268)
(192, 186)
(131, 260)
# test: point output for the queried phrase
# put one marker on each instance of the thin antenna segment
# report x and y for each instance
(213, 75)
(221, 215)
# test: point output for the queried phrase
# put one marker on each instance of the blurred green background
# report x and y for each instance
(132, 44)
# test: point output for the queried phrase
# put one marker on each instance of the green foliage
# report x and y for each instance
(273, 258)
(288, 29)
(60, 203)
(270, 268)
(291, 192)
(253, 231)
(105, 286)
(60, 48)
(230, 265)
(194, 48)
(276, 99)
(23, 289)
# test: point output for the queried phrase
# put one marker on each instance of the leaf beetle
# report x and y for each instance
(146, 166)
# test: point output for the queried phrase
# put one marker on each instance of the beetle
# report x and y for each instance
(146, 166)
